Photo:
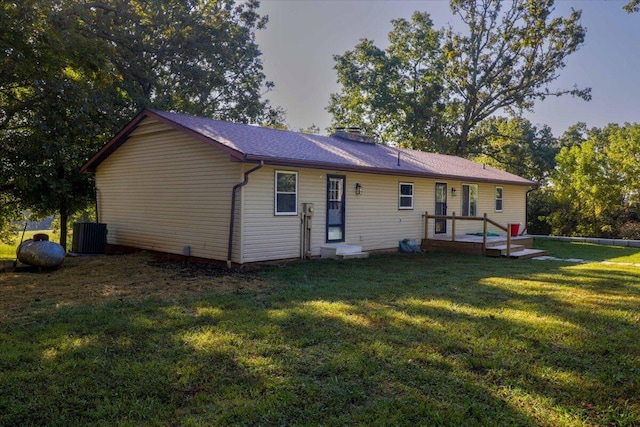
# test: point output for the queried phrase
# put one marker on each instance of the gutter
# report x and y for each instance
(234, 192)
(379, 171)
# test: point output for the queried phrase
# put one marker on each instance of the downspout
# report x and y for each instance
(234, 192)
(95, 193)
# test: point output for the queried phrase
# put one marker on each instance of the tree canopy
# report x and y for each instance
(519, 147)
(632, 6)
(394, 93)
(596, 182)
(430, 89)
(73, 71)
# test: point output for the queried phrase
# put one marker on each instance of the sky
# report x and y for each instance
(303, 35)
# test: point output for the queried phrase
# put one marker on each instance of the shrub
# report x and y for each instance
(630, 230)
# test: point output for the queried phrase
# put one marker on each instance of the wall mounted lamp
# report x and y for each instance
(453, 192)
(358, 188)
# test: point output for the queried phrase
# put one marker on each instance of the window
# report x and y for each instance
(469, 199)
(498, 199)
(405, 198)
(286, 197)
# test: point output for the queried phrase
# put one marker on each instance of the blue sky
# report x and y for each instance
(303, 35)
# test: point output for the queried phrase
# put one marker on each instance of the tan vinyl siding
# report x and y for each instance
(373, 219)
(266, 236)
(513, 207)
(163, 190)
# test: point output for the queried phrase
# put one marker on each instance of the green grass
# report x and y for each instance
(398, 339)
(8, 251)
(589, 251)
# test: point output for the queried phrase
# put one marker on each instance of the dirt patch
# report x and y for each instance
(102, 279)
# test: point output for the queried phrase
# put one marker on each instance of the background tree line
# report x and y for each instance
(73, 72)
(465, 94)
(589, 179)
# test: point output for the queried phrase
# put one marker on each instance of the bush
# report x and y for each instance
(630, 230)
(539, 207)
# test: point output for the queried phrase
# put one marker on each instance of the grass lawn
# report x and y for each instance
(589, 251)
(8, 251)
(396, 339)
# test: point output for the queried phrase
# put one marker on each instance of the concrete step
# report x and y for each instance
(527, 253)
(501, 250)
(333, 251)
(353, 255)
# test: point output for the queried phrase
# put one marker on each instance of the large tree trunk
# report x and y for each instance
(63, 225)
(463, 141)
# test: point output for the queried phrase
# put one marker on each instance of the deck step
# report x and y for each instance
(527, 253)
(501, 250)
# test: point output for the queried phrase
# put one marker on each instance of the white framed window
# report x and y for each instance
(469, 199)
(286, 193)
(405, 195)
(499, 193)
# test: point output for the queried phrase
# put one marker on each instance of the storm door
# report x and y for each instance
(441, 207)
(335, 208)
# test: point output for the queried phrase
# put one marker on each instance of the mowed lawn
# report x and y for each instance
(8, 250)
(396, 339)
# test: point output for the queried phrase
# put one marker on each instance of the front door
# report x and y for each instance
(335, 208)
(441, 207)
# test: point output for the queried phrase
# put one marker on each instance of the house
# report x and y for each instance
(238, 193)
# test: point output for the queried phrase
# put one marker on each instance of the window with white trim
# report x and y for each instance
(286, 194)
(405, 195)
(469, 199)
(499, 191)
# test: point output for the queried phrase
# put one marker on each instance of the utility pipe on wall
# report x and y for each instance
(234, 193)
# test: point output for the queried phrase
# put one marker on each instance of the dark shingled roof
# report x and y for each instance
(277, 147)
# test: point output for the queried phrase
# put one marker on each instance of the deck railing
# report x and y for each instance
(485, 223)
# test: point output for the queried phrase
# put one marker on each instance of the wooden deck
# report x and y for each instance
(521, 246)
(505, 245)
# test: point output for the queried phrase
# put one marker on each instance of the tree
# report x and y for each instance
(196, 56)
(73, 71)
(632, 6)
(574, 135)
(519, 147)
(313, 129)
(9, 215)
(589, 187)
(394, 93)
(274, 117)
(624, 152)
(431, 89)
(53, 111)
(540, 206)
(506, 60)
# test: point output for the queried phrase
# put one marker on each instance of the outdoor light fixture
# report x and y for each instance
(453, 191)
(358, 188)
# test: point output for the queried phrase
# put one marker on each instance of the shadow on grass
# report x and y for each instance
(430, 339)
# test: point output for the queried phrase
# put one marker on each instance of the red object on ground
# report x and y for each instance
(514, 229)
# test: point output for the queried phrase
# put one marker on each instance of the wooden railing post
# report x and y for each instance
(484, 235)
(453, 227)
(486, 221)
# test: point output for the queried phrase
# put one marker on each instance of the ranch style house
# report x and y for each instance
(238, 193)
